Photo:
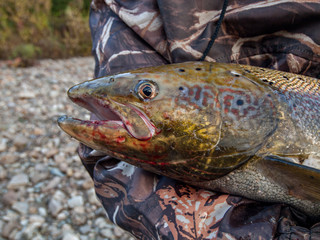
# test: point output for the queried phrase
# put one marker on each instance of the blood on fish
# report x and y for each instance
(121, 139)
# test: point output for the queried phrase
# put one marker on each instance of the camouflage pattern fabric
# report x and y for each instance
(278, 34)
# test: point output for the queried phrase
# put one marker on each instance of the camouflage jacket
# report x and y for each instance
(278, 34)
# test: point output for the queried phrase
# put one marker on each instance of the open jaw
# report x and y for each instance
(113, 115)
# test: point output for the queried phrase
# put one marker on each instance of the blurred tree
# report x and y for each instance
(44, 28)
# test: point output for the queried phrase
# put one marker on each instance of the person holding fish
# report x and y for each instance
(192, 122)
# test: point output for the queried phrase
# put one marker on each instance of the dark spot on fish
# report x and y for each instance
(181, 70)
(270, 83)
(248, 71)
(285, 77)
(198, 69)
(264, 80)
(240, 102)
(294, 105)
(269, 95)
(180, 88)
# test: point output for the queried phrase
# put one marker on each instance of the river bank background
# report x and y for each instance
(46, 193)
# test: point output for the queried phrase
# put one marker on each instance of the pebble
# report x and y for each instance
(53, 183)
(84, 229)
(106, 232)
(3, 144)
(21, 207)
(26, 95)
(3, 173)
(75, 201)
(36, 220)
(63, 215)
(9, 197)
(20, 141)
(46, 191)
(55, 206)
(18, 181)
(56, 172)
(70, 236)
(9, 227)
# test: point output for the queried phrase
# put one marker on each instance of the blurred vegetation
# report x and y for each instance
(32, 29)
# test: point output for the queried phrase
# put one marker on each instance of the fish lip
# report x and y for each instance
(104, 112)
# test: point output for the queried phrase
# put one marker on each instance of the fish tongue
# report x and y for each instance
(134, 122)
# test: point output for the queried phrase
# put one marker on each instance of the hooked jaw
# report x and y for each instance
(110, 114)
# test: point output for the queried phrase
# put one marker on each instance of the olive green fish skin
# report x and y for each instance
(209, 124)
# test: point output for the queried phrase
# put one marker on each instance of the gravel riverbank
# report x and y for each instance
(45, 191)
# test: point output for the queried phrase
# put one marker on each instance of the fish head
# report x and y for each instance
(173, 119)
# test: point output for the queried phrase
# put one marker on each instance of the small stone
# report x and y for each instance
(100, 223)
(9, 158)
(55, 206)
(3, 145)
(36, 220)
(42, 211)
(38, 131)
(85, 229)
(69, 172)
(63, 215)
(87, 184)
(70, 236)
(27, 94)
(59, 195)
(9, 227)
(3, 173)
(78, 219)
(75, 201)
(20, 141)
(106, 232)
(18, 181)
(118, 232)
(54, 231)
(56, 172)
(92, 197)
(33, 209)
(40, 173)
(9, 197)
(52, 152)
(52, 184)
(21, 207)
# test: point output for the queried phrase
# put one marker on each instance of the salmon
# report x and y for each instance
(237, 129)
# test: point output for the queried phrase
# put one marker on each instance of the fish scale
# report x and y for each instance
(301, 94)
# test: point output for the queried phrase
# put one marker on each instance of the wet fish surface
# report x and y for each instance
(238, 129)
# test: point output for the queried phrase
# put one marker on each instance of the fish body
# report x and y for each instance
(238, 129)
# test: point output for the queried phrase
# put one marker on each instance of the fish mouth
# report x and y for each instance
(110, 113)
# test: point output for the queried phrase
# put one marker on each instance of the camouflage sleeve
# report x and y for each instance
(278, 34)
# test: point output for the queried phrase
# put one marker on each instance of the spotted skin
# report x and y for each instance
(218, 126)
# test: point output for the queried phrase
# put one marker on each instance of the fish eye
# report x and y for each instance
(146, 89)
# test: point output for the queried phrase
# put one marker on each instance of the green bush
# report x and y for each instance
(28, 51)
(44, 28)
